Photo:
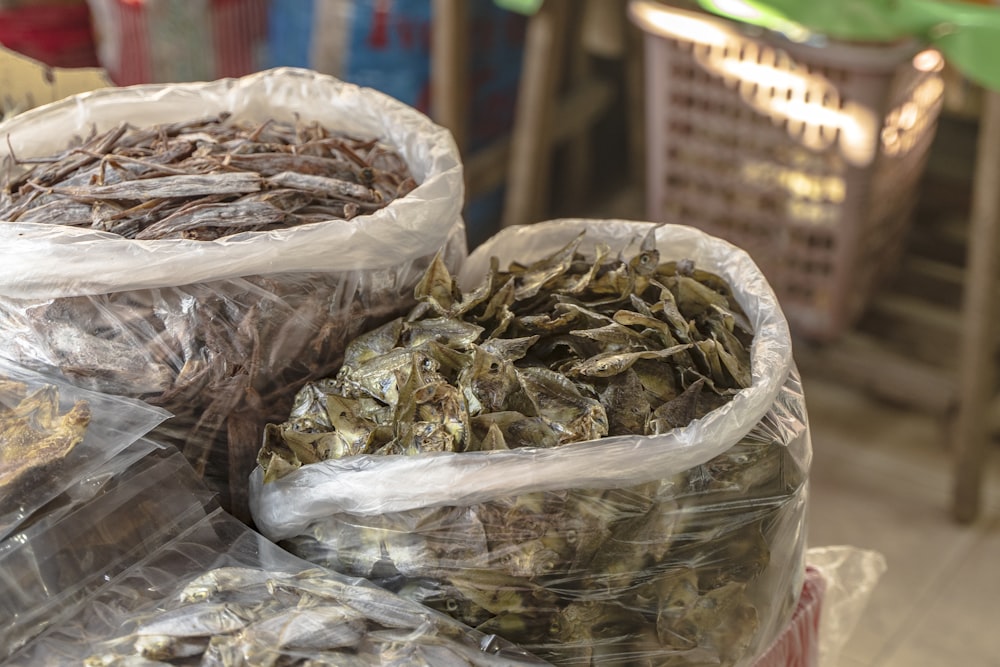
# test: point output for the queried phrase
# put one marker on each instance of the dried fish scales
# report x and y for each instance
(565, 349)
(146, 183)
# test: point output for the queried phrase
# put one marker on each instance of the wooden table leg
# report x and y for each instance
(531, 138)
(979, 311)
(450, 67)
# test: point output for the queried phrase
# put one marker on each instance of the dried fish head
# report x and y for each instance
(447, 331)
(489, 383)
(626, 404)
(539, 274)
(380, 377)
(168, 647)
(372, 344)
(516, 428)
(557, 399)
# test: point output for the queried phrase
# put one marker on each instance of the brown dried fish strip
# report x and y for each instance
(176, 180)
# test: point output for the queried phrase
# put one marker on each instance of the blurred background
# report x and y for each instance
(860, 174)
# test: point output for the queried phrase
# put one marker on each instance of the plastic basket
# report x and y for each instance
(805, 156)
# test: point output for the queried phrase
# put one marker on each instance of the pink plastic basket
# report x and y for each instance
(806, 156)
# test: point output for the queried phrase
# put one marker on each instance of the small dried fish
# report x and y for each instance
(142, 183)
(547, 342)
(546, 354)
(254, 616)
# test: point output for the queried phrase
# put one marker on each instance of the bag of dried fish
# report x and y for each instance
(193, 249)
(53, 434)
(220, 594)
(599, 452)
(121, 513)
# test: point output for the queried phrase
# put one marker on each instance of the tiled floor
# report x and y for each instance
(881, 481)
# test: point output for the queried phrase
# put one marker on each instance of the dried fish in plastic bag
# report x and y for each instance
(107, 283)
(53, 434)
(534, 356)
(219, 594)
(67, 552)
(205, 179)
(674, 538)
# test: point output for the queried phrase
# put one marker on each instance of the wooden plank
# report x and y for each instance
(487, 168)
(930, 279)
(450, 67)
(531, 142)
(865, 363)
(979, 310)
(575, 163)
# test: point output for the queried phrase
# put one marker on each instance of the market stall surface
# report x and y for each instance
(881, 479)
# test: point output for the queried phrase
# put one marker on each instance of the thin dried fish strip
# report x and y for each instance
(76, 159)
(169, 186)
(321, 185)
(231, 215)
(269, 164)
(132, 179)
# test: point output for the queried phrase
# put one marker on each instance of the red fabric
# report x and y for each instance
(57, 35)
(237, 26)
(237, 31)
(134, 66)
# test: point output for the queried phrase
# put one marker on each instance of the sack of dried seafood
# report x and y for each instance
(209, 247)
(139, 566)
(593, 443)
(219, 594)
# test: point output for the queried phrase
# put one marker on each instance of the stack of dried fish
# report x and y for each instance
(565, 350)
(235, 202)
(197, 587)
(204, 179)
(254, 616)
(665, 571)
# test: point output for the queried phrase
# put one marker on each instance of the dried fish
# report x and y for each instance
(547, 354)
(34, 436)
(140, 182)
(225, 357)
(254, 616)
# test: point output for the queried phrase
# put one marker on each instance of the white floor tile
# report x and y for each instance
(881, 480)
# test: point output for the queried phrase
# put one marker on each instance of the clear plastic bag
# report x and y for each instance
(850, 575)
(684, 548)
(222, 593)
(32, 479)
(81, 492)
(223, 333)
(52, 566)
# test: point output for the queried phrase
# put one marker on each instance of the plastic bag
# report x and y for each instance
(223, 592)
(52, 566)
(222, 333)
(798, 643)
(686, 546)
(850, 575)
(82, 491)
(113, 423)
